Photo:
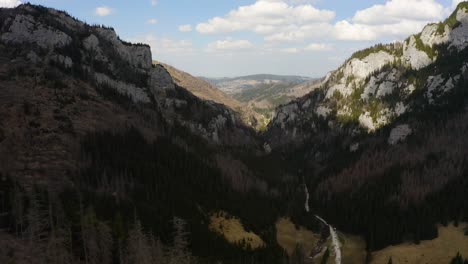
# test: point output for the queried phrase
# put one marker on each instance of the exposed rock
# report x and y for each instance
(365, 120)
(136, 93)
(323, 111)
(287, 114)
(385, 88)
(430, 35)
(409, 89)
(370, 88)
(436, 86)
(399, 133)
(400, 108)
(459, 35)
(139, 56)
(24, 29)
(217, 125)
(341, 88)
(363, 68)
(417, 59)
(160, 81)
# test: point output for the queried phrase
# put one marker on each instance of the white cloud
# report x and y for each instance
(185, 28)
(395, 11)
(318, 47)
(230, 45)
(290, 50)
(265, 16)
(152, 21)
(299, 21)
(103, 11)
(9, 3)
(154, 2)
(396, 18)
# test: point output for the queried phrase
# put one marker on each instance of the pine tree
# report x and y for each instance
(179, 253)
(138, 247)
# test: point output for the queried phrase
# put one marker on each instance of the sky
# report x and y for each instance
(226, 38)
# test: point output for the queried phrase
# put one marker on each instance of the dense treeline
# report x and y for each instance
(158, 180)
(133, 192)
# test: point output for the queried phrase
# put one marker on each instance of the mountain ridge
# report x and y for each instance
(100, 146)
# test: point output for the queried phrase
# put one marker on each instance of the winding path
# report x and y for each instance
(334, 236)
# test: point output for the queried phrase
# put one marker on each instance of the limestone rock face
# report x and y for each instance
(24, 29)
(459, 35)
(160, 80)
(430, 35)
(371, 63)
(139, 56)
(416, 58)
(138, 94)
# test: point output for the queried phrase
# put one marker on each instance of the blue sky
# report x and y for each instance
(237, 37)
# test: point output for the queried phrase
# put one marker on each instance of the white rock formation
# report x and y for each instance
(370, 89)
(400, 108)
(431, 37)
(341, 88)
(385, 88)
(363, 68)
(365, 120)
(409, 89)
(459, 35)
(286, 114)
(136, 93)
(137, 56)
(433, 85)
(91, 44)
(416, 58)
(24, 29)
(399, 133)
(323, 111)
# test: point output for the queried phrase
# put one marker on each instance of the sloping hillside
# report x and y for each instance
(384, 136)
(206, 91)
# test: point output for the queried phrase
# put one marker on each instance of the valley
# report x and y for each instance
(262, 93)
(109, 156)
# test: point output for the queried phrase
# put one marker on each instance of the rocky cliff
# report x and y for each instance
(376, 86)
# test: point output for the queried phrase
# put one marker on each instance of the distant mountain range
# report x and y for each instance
(262, 93)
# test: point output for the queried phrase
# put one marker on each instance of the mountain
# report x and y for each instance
(100, 148)
(384, 136)
(262, 93)
(206, 91)
(107, 157)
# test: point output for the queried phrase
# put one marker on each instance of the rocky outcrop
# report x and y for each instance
(96, 55)
(361, 68)
(138, 56)
(415, 57)
(377, 86)
(25, 29)
(459, 35)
